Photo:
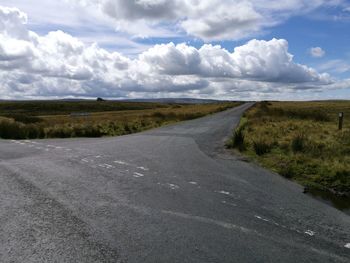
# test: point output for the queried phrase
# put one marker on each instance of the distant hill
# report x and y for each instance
(161, 100)
(176, 100)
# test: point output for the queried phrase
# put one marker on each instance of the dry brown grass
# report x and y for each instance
(301, 141)
(96, 124)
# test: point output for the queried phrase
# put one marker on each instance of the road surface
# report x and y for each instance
(171, 194)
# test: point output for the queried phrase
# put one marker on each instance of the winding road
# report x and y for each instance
(172, 194)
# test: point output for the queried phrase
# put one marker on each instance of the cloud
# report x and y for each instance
(206, 19)
(257, 60)
(60, 65)
(216, 21)
(317, 52)
(336, 66)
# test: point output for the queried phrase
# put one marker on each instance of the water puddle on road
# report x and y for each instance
(340, 202)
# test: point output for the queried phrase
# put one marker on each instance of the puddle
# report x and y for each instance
(339, 202)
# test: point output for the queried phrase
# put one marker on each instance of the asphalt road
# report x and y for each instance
(172, 194)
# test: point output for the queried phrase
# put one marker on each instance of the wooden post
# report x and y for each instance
(341, 117)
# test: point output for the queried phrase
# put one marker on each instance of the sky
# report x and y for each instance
(217, 49)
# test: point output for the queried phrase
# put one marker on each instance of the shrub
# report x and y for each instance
(238, 139)
(303, 114)
(33, 131)
(262, 147)
(299, 143)
(287, 170)
(59, 132)
(159, 115)
(24, 118)
(262, 108)
(264, 105)
(11, 130)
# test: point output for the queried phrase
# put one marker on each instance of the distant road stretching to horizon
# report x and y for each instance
(172, 194)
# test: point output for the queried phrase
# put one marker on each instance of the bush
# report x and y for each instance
(303, 114)
(11, 130)
(33, 131)
(262, 147)
(24, 118)
(264, 106)
(299, 143)
(159, 115)
(60, 132)
(287, 170)
(238, 139)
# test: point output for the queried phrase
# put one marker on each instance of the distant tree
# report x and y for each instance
(100, 99)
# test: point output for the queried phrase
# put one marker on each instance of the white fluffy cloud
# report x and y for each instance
(59, 65)
(257, 60)
(205, 19)
(317, 52)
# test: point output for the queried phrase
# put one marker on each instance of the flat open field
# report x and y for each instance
(301, 141)
(57, 119)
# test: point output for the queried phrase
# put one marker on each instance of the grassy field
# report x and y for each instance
(57, 119)
(301, 141)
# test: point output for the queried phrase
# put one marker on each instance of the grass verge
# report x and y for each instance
(300, 141)
(34, 120)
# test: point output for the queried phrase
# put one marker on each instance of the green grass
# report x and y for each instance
(301, 141)
(44, 119)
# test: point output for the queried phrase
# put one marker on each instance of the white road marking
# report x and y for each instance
(138, 175)
(194, 183)
(347, 245)
(98, 156)
(231, 226)
(85, 160)
(173, 186)
(143, 168)
(263, 219)
(223, 192)
(121, 162)
(106, 165)
(309, 232)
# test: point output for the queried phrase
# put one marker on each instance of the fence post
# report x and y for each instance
(341, 117)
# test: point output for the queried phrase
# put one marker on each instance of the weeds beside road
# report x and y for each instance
(300, 141)
(34, 120)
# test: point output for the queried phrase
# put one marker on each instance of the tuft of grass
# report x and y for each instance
(299, 143)
(238, 139)
(287, 169)
(262, 147)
